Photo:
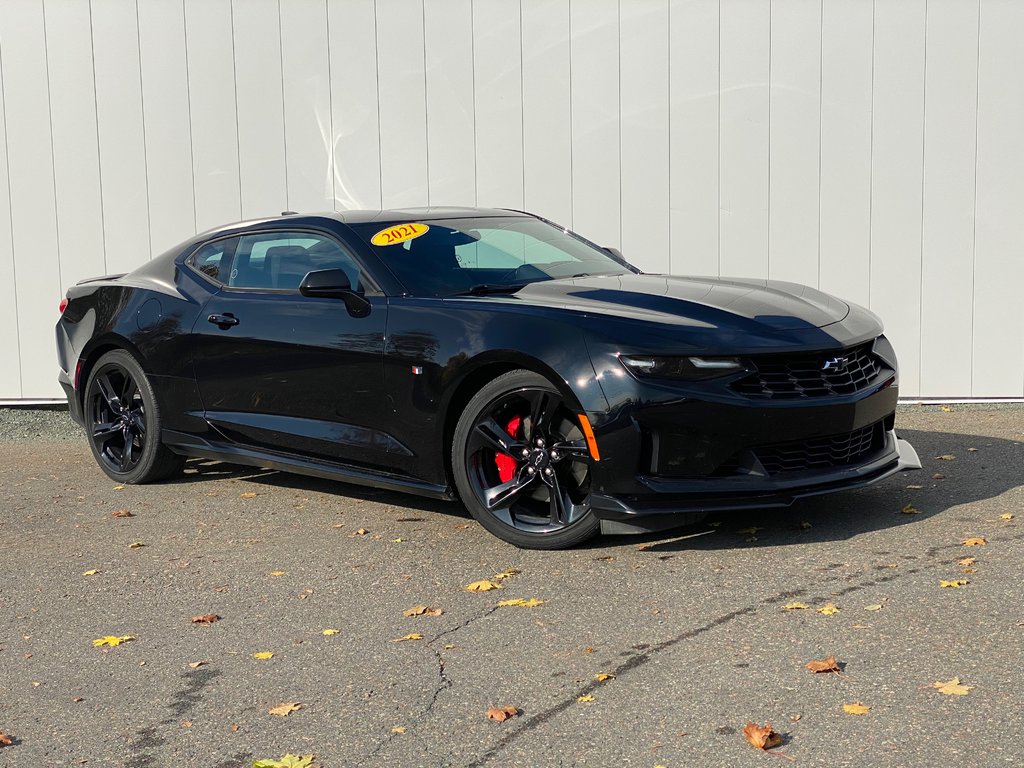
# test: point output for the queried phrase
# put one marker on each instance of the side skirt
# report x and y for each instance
(191, 445)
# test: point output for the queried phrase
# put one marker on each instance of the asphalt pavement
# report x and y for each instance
(690, 627)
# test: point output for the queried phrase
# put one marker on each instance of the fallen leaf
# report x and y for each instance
(501, 714)
(508, 574)
(856, 709)
(953, 687)
(248, 495)
(122, 513)
(967, 562)
(398, 729)
(946, 409)
(875, 607)
(795, 606)
(410, 636)
(283, 710)
(288, 761)
(330, 632)
(910, 509)
(422, 610)
(914, 487)
(482, 586)
(644, 547)
(136, 545)
(78, 699)
(953, 583)
(186, 723)
(588, 649)
(234, 727)
(90, 573)
(358, 532)
(409, 520)
(761, 736)
(585, 699)
(197, 664)
(972, 450)
(805, 525)
(823, 665)
(968, 570)
(397, 541)
(533, 602)
(1006, 516)
(828, 610)
(748, 531)
(938, 476)
(112, 640)
(206, 618)
(263, 655)
(975, 541)
(603, 676)
(278, 573)
(118, 488)
(5, 739)
(946, 457)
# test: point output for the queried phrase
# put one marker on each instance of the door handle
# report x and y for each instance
(224, 321)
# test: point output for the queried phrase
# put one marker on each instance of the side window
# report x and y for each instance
(211, 260)
(279, 260)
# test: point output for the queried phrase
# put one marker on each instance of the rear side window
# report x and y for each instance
(279, 260)
(212, 260)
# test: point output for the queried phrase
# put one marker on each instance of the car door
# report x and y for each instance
(284, 372)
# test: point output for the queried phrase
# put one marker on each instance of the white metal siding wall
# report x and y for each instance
(870, 148)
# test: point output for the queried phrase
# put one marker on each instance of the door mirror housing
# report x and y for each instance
(334, 284)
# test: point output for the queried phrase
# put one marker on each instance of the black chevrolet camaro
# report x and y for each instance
(485, 355)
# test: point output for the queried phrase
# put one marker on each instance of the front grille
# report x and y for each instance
(821, 452)
(789, 377)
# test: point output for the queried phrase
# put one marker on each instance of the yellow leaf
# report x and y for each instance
(197, 664)
(585, 699)
(1006, 516)
(278, 573)
(248, 495)
(118, 487)
(358, 532)
(330, 632)
(953, 583)
(422, 610)
(507, 574)
(828, 610)
(953, 687)
(112, 640)
(90, 573)
(946, 457)
(263, 655)
(410, 636)
(397, 541)
(533, 602)
(967, 562)
(975, 541)
(795, 606)
(288, 761)
(875, 607)
(283, 710)
(946, 409)
(482, 586)
(972, 450)
(910, 509)
(602, 676)
(136, 545)
(856, 709)
(398, 729)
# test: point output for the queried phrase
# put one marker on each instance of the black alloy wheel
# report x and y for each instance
(123, 422)
(522, 464)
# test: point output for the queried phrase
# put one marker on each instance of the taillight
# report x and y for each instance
(63, 305)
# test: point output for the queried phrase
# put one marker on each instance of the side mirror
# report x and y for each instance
(334, 284)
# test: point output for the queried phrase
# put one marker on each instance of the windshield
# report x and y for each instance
(447, 257)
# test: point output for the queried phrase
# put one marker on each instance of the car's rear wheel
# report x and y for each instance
(123, 421)
(522, 465)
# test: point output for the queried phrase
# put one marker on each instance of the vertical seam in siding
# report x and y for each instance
(376, 64)
(472, 53)
(821, 91)
(920, 261)
(618, 94)
(188, 101)
(142, 115)
(768, 184)
(668, 102)
(572, 142)
(522, 107)
(719, 147)
(426, 107)
(330, 114)
(53, 159)
(10, 214)
(974, 217)
(99, 154)
(871, 157)
(284, 112)
(234, 88)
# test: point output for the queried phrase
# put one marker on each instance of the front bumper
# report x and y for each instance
(660, 511)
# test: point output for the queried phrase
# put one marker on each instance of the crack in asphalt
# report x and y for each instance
(637, 660)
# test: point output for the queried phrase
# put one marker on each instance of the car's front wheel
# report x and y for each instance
(122, 420)
(522, 465)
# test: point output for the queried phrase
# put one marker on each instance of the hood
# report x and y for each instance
(701, 302)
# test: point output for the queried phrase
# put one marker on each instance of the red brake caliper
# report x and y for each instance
(506, 464)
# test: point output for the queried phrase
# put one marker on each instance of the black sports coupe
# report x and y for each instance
(485, 355)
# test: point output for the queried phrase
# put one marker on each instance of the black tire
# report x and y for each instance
(538, 496)
(123, 422)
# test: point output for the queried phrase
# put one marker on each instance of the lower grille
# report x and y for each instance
(821, 452)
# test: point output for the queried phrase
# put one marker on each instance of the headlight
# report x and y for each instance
(687, 368)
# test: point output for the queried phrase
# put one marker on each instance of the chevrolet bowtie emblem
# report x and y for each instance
(835, 365)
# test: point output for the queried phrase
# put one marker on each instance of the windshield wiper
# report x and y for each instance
(487, 288)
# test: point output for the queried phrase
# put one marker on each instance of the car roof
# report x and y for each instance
(429, 213)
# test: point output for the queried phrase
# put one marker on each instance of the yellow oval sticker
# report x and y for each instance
(399, 233)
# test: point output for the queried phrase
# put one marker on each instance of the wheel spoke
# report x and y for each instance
(502, 495)
(128, 391)
(577, 450)
(106, 388)
(138, 421)
(126, 452)
(488, 433)
(542, 409)
(103, 432)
